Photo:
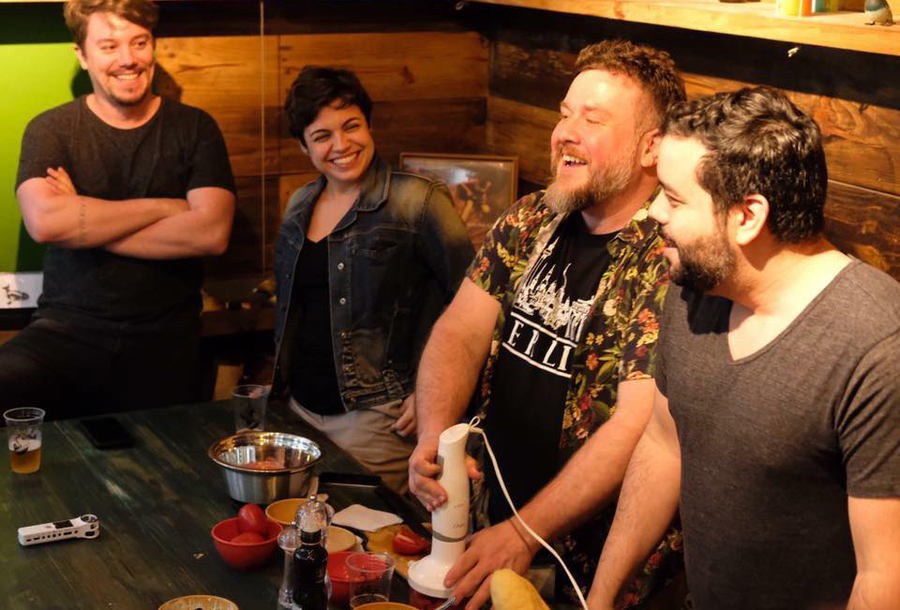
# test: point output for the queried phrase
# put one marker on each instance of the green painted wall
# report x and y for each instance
(37, 68)
(39, 77)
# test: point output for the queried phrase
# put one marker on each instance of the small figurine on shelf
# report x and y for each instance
(878, 12)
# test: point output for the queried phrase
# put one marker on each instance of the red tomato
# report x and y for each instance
(248, 537)
(407, 542)
(251, 518)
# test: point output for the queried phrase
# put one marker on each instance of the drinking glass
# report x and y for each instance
(370, 577)
(23, 428)
(250, 407)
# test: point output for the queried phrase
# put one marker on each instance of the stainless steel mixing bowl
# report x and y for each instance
(296, 453)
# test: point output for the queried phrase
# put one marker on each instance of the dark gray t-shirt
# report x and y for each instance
(179, 149)
(772, 444)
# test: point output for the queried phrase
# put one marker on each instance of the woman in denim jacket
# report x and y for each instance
(365, 260)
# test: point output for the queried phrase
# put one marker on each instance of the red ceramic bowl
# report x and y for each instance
(340, 577)
(246, 555)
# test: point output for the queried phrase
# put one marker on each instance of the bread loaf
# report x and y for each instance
(509, 591)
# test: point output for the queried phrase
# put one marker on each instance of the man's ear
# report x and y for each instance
(79, 53)
(649, 147)
(750, 217)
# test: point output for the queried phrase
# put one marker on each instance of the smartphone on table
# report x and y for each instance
(106, 432)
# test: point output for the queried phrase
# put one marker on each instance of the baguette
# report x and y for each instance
(509, 591)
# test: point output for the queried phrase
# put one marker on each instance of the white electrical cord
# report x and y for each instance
(472, 428)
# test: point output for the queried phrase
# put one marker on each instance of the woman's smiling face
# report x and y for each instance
(339, 143)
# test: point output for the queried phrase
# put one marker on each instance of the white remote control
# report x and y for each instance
(85, 526)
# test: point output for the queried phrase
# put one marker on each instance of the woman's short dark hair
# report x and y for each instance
(316, 87)
(758, 143)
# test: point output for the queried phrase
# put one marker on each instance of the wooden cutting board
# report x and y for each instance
(380, 541)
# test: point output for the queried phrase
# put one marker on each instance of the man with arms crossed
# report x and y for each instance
(562, 301)
(777, 411)
(127, 190)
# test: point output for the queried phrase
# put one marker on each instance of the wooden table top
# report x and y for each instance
(156, 502)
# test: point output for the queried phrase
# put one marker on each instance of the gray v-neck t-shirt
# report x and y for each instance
(772, 444)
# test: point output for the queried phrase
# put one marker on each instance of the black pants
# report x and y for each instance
(70, 371)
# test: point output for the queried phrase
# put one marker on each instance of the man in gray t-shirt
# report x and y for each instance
(777, 417)
(128, 191)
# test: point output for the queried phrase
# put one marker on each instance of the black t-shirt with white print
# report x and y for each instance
(533, 371)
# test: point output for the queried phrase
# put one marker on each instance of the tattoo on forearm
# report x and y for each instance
(82, 224)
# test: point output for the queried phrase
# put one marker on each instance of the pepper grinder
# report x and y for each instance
(287, 542)
(315, 516)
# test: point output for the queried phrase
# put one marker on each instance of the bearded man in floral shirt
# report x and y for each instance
(562, 303)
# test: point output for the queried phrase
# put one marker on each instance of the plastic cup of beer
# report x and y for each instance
(250, 407)
(23, 430)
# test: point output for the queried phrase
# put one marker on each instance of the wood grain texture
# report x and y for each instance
(241, 79)
(534, 75)
(223, 76)
(429, 88)
(862, 142)
(395, 66)
(515, 128)
(848, 75)
(530, 73)
(865, 223)
(845, 30)
(324, 16)
(241, 17)
(156, 501)
(861, 221)
(428, 125)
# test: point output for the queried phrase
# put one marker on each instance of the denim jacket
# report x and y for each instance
(394, 261)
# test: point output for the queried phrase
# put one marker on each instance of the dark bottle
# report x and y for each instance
(310, 568)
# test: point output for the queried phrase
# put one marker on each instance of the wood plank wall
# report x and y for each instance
(488, 79)
(426, 74)
(851, 95)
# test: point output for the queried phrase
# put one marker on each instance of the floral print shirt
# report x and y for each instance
(618, 343)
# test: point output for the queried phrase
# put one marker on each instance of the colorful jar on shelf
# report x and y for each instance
(788, 8)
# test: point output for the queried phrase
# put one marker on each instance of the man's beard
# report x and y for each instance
(139, 99)
(603, 185)
(129, 102)
(704, 264)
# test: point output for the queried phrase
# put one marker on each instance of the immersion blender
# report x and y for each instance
(450, 521)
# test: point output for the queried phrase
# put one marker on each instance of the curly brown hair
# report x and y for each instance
(78, 12)
(758, 142)
(652, 68)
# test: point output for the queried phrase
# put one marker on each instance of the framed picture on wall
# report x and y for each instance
(482, 186)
